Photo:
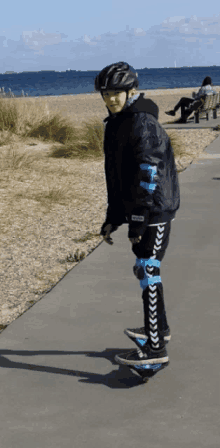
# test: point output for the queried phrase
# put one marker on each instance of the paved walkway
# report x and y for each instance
(59, 385)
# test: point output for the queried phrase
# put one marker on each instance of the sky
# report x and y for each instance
(91, 34)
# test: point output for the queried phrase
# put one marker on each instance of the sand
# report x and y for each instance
(81, 107)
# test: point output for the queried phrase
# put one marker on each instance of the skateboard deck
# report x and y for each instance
(145, 371)
(148, 370)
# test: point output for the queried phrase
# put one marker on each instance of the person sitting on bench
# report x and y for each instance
(188, 105)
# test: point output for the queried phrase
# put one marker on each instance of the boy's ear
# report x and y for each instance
(132, 92)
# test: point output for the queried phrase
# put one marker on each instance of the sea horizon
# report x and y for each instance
(72, 82)
(92, 70)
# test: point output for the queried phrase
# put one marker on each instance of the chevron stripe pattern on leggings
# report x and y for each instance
(153, 321)
(152, 285)
(153, 324)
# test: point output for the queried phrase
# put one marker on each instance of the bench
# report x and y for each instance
(209, 102)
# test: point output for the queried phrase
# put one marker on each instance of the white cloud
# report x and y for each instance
(174, 19)
(189, 41)
(37, 40)
(188, 26)
(193, 39)
(87, 40)
(139, 32)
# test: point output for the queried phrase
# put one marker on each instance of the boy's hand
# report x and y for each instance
(106, 237)
(135, 240)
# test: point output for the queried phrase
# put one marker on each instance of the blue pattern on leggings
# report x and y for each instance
(150, 262)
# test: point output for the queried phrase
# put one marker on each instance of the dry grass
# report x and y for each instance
(56, 177)
(48, 183)
(24, 124)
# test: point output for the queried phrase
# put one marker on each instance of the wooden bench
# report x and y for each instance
(209, 102)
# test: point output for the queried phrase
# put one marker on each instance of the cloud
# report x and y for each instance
(139, 32)
(37, 40)
(189, 41)
(87, 40)
(195, 25)
(174, 19)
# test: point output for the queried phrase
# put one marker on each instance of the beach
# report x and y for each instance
(81, 107)
(37, 248)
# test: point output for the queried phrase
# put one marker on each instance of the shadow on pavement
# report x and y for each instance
(122, 378)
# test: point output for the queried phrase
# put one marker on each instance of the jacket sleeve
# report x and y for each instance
(147, 148)
(205, 90)
(200, 93)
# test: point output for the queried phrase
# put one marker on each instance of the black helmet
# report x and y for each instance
(119, 76)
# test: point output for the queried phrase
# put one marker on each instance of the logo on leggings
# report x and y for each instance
(137, 218)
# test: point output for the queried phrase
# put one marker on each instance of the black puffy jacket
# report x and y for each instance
(141, 175)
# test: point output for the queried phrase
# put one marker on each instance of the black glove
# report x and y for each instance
(135, 240)
(106, 231)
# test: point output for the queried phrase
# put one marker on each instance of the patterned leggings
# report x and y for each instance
(150, 252)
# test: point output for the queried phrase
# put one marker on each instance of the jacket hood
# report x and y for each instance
(138, 105)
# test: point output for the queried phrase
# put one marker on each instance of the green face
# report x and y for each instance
(114, 100)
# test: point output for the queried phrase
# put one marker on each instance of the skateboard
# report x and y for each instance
(145, 371)
(148, 370)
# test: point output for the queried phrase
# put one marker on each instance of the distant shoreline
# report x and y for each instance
(157, 91)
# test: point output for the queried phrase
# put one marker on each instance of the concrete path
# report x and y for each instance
(59, 384)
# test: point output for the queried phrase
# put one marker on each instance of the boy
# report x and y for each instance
(143, 191)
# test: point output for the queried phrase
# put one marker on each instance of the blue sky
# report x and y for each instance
(90, 34)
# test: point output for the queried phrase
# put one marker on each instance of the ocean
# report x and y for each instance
(71, 82)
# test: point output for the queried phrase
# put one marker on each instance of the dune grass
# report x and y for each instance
(29, 120)
(26, 120)
(23, 121)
